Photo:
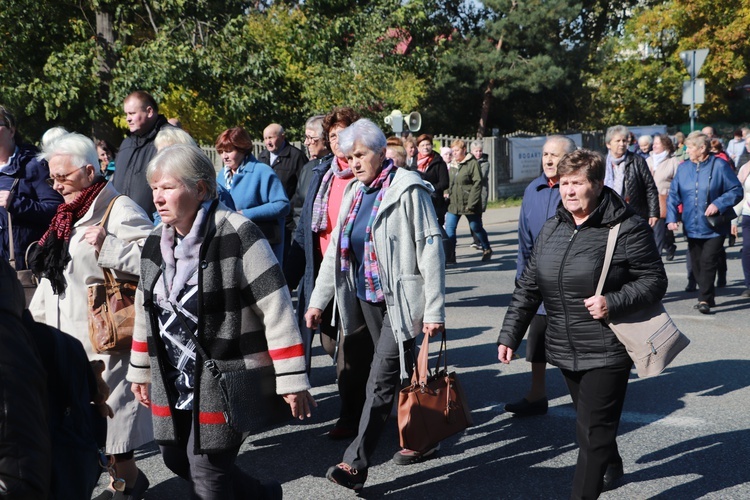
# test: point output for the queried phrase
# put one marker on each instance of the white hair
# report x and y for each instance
(169, 136)
(80, 149)
(363, 131)
(51, 136)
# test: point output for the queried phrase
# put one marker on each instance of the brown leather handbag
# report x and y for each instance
(111, 307)
(434, 406)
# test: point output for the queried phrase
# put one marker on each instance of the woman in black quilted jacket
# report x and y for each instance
(563, 271)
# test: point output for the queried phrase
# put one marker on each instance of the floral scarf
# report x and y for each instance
(373, 288)
(424, 161)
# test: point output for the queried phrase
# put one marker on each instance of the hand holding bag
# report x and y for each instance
(434, 406)
(111, 308)
(721, 219)
(649, 335)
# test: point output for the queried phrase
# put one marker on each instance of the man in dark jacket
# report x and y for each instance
(144, 122)
(540, 201)
(24, 192)
(287, 161)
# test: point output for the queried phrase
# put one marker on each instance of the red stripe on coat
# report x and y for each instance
(160, 411)
(287, 352)
(139, 346)
(211, 417)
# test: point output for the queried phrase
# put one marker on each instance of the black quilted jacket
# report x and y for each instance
(640, 189)
(564, 269)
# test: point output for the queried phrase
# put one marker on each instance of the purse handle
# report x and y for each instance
(611, 243)
(11, 246)
(422, 369)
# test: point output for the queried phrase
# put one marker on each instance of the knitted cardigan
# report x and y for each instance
(246, 321)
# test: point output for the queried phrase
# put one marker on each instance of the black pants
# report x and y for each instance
(705, 255)
(353, 357)
(212, 476)
(382, 383)
(598, 396)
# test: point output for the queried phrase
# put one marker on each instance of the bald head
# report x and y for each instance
(709, 131)
(274, 138)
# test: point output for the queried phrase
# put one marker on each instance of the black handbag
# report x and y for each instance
(249, 396)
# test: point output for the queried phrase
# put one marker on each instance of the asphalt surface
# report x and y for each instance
(684, 434)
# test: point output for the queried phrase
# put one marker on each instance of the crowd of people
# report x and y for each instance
(360, 227)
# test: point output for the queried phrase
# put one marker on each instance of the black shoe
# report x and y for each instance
(136, 492)
(525, 408)
(612, 475)
(347, 476)
(486, 255)
(732, 240)
(704, 308)
(691, 287)
(721, 282)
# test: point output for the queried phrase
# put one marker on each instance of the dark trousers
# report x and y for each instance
(212, 476)
(746, 250)
(598, 396)
(663, 236)
(353, 357)
(704, 257)
(382, 383)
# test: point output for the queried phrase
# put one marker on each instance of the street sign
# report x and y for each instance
(694, 91)
(694, 60)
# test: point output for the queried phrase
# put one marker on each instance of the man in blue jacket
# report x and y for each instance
(540, 202)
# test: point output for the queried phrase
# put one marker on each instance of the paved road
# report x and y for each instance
(684, 434)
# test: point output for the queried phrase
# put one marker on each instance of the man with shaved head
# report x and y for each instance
(287, 161)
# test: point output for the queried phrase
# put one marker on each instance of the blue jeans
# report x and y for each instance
(475, 223)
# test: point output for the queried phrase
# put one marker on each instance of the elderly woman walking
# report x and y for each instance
(210, 286)
(385, 263)
(563, 271)
(70, 257)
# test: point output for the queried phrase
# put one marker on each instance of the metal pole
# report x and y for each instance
(692, 100)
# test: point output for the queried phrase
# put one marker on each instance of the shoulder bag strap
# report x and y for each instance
(611, 242)
(11, 246)
(109, 279)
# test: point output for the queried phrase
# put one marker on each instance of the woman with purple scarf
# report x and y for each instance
(385, 263)
(353, 354)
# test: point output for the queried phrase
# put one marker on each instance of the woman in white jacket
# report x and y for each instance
(663, 166)
(386, 264)
(70, 257)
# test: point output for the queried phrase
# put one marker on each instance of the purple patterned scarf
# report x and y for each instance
(320, 205)
(373, 289)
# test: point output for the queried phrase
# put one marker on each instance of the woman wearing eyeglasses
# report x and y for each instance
(23, 193)
(70, 257)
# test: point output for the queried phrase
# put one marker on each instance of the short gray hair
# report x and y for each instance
(569, 144)
(80, 149)
(169, 136)
(698, 139)
(364, 131)
(646, 138)
(316, 123)
(477, 145)
(616, 130)
(186, 163)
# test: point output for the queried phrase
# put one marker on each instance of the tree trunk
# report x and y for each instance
(105, 38)
(485, 112)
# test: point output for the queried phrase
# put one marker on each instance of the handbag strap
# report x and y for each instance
(422, 369)
(11, 245)
(109, 279)
(611, 243)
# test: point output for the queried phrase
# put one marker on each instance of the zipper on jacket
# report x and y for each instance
(562, 296)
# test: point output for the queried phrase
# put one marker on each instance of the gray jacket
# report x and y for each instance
(408, 245)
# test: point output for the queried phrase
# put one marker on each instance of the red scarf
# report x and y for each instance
(424, 161)
(69, 213)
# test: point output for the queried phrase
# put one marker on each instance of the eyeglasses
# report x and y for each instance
(61, 178)
(311, 139)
